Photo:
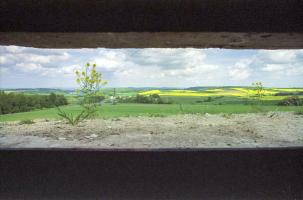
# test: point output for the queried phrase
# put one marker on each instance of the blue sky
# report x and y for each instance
(22, 67)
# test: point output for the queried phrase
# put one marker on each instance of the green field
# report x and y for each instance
(183, 101)
(124, 110)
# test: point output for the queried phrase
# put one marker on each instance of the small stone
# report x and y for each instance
(62, 138)
(92, 136)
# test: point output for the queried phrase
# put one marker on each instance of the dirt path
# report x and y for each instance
(181, 131)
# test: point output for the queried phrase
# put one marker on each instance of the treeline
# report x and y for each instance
(148, 99)
(288, 93)
(18, 102)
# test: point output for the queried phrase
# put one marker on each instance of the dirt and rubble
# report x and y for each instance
(179, 131)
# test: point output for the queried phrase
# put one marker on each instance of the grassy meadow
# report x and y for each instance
(182, 101)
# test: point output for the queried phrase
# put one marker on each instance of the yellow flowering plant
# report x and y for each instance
(90, 82)
(259, 92)
(258, 87)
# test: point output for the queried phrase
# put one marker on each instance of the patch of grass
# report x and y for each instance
(156, 115)
(299, 112)
(227, 115)
(132, 110)
(72, 118)
(26, 121)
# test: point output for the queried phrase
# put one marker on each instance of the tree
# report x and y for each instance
(52, 99)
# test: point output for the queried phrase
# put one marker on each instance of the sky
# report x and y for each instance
(22, 67)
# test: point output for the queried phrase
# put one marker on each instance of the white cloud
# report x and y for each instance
(13, 49)
(274, 67)
(169, 59)
(28, 67)
(29, 57)
(239, 73)
(3, 59)
(111, 60)
(3, 70)
(6, 59)
(199, 70)
(241, 70)
(155, 67)
(38, 69)
(281, 62)
(279, 56)
(147, 67)
(68, 70)
(295, 70)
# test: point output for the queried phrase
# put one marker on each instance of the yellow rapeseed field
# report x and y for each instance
(288, 89)
(150, 92)
(269, 93)
(192, 93)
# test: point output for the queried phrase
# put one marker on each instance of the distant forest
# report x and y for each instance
(18, 102)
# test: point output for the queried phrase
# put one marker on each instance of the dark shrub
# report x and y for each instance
(26, 121)
(209, 99)
(291, 101)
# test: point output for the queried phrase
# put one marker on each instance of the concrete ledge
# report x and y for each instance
(268, 24)
(155, 40)
(151, 15)
(250, 174)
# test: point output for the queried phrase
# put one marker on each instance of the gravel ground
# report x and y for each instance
(180, 131)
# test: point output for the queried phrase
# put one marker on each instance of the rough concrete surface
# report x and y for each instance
(181, 131)
(231, 40)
